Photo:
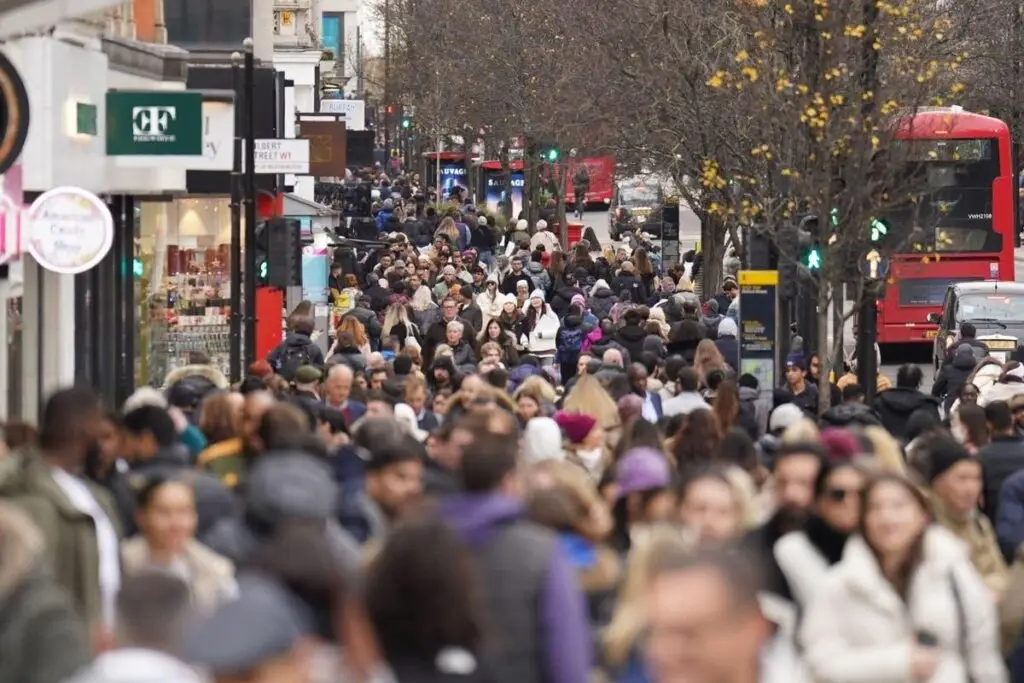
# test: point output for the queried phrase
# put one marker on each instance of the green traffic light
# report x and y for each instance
(137, 267)
(813, 259)
(552, 155)
(879, 229)
(406, 123)
(263, 270)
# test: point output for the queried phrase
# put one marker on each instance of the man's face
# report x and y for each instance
(1018, 415)
(396, 486)
(478, 278)
(415, 282)
(337, 387)
(377, 380)
(638, 379)
(732, 293)
(256, 405)
(517, 266)
(959, 487)
(379, 409)
(698, 633)
(794, 482)
(795, 374)
(386, 261)
(449, 309)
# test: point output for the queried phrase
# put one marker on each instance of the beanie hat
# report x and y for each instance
(482, 220)
(784, 417)
(537, 294)
(727, 328)
(943, 455)
(578, 300)
(521, 224)
(542, 224)
(641, 469)
(842, 446)
(575, 426)
(797, 359)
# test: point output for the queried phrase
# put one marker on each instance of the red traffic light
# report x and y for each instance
(390, 109)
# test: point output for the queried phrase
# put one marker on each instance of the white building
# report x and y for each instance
(67, 69)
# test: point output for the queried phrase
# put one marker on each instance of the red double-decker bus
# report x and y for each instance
(963, 227)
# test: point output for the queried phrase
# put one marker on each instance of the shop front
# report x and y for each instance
(182, 285)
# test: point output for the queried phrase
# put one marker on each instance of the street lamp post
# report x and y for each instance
(250, 203)
(235, 341)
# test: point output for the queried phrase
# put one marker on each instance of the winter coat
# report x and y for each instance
(295, 343)
(806, 556)
(561, 299)
(601, 300)
(489, 307)
(631, 337)
(1001, 458)
(211, 578)
(42, 637)
(952, 377)
(633, 285)
(976, 533)
(850, 414)
(464, 357)
(205, 378)
(1009, 520)
(541, 278)
(895, 407)
(69, 533)
(511, 282)
(729, 347)
(1000, 391)
(547, 238)
(540, 339)
(568, 342)
(350, 356)
(760, 408)
(873, 639)
(473, 315)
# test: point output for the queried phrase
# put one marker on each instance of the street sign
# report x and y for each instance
(757, 326)
(275, 156)
(874, 266)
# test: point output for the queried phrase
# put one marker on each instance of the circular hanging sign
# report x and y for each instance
(68, 230)
(13, 114)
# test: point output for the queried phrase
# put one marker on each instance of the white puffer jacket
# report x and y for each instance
(541, 340)
(857, 629)
(803, 565)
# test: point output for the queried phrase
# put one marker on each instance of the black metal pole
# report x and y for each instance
(387, 87)
(867, 335)
(235, 341)
(250, 203)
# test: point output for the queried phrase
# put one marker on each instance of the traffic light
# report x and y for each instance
(879, 230)
(788, 245)
(284, 253)
(137, 268)
(259, 250)
(406, 122)
(809, 234)
(389, 110)
(550, 154)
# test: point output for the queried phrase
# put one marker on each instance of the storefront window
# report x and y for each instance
(183, 285)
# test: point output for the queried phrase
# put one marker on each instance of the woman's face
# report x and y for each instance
(493, 330)
(169, 521)
(110, 443)
(441, 404)
(839, 504)
(493, 356)
(537, 302)
(528, 408)
(969, 395)
(710, 510)
(509, 308)
(361, 381)
(893, 519)
(814, 367)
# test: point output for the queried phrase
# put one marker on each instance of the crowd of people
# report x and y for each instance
(549, 470)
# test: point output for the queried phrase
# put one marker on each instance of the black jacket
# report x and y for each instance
(378, 297)
(729, 347)
(350, 356)
(473, 315)
(368, 319)
(895, 406)
(952, 377)
(508, 285)
(850, 414)
(1003, 456)
(481, 238)
(631, 337)
(601, 303)
(631, 284)
(561, 299)
(295, 341)
(978, 348)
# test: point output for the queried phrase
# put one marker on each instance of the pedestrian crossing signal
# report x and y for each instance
(406, 123)
(879, 229)
(812, 260)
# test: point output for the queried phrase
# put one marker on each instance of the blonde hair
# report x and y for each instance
(588, 396)
(707, 357)
(630, 617)
(802, 431)
(448, 228)
(745, 492)
(887, 454)
(394, 314)
(537, 387)
(572, 478)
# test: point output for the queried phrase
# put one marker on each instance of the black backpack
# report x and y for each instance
(293, 358)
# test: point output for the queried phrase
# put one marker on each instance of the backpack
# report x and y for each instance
(571, 339)
(291, 359)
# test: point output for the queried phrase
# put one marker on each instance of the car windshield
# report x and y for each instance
(994, 307)
(638, 195)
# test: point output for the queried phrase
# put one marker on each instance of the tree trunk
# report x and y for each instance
(506, 183)
(712, 239)
(560, 178)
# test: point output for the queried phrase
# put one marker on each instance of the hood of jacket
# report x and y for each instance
(137, 666)
(535, 268)
(207, 372)
(23, 548)
(572, 321)
(297, 340)
(477, 517)
(964, 361)
(906, 401)
(748, 394)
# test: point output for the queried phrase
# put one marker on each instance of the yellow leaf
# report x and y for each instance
(742, 56)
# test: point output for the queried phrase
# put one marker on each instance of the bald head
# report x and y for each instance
(338, 385)
(613, 357)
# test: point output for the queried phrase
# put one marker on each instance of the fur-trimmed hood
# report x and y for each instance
(21, 546)
(208, 372)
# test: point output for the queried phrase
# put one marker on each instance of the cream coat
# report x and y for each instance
(803, 565)
(857, 629)
(211, 576)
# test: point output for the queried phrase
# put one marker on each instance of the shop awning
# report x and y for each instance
(298, 207)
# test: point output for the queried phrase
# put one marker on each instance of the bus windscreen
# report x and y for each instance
(954, 208)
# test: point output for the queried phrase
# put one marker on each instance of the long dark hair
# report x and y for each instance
(905, 572)
(696, 442)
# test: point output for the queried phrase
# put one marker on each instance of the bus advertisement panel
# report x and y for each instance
(962, 226)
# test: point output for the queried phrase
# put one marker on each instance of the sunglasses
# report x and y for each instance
(840, 495)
